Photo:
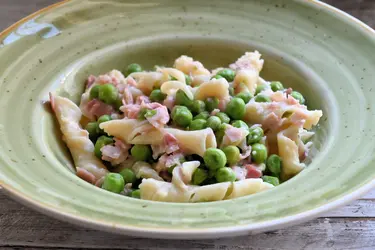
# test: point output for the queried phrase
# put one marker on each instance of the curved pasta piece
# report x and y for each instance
(246, 80)
(77, 139)
(214, 192)
(171, 87)
(132, 131)
(164, 191)
(199, 79)
(147, 81)
(173, 72)
(194, 142)
(213, 88)
(257, 112)
(144, 170)
(183, 174)
(250, 60)
(190, 67)
(247, 187)
(288, 151)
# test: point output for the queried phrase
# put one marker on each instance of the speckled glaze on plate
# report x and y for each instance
(308, 45)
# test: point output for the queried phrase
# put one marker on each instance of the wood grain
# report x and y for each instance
(350, 227)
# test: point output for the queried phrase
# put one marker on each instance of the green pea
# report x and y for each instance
(94, 91)
(225, 174)
(108, 93)
(211, 103)
(219, 134)
(217, 77)
(231, 91)
(262, 98)
(298, 96)
(188, 79)
(276, 86)
(198, 124)
(233, 154)
(255, 135)
(104, 118)
(102, 141)
(113, 182)
(227, 74)
(236, 108)
(213, 122)
(259, 153)
(240, 124)
(273, 164)
(214, 158)
(260, 88)
(128, 175)
(141, 152)
(223, 117)
(136, 194)
(245, 96)
(198, 106)
(183, 99)
(181, 116)
(132, 68)
(93, 129)
(271, 179)
(202, 115)
(157, 96)
(199, 176)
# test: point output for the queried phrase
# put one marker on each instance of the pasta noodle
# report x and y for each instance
(77, 139)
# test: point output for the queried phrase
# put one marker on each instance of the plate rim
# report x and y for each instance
(189, 233)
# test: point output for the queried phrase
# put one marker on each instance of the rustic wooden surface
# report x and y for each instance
(350, 227)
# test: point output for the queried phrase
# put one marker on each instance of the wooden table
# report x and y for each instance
(350, 227)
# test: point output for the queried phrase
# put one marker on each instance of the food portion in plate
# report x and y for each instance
(187, 134)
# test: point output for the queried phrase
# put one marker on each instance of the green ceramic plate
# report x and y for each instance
(313, 47)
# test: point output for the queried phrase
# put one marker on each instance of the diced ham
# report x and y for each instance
(103, 79)
(97, 108)
(86, 175)
(90, 81)
(165, 175)
(168, 146)
(239, 172)
(127, 96)
(235, 134)
(131, 111)
(215, 112)
(289, 91)
(142, 99)
(117, 153)
(223, 104)
(252, 171)
(272, 122)
(160, 118)
(160, 165)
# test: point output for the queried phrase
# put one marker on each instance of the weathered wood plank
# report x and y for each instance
(22, 227)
